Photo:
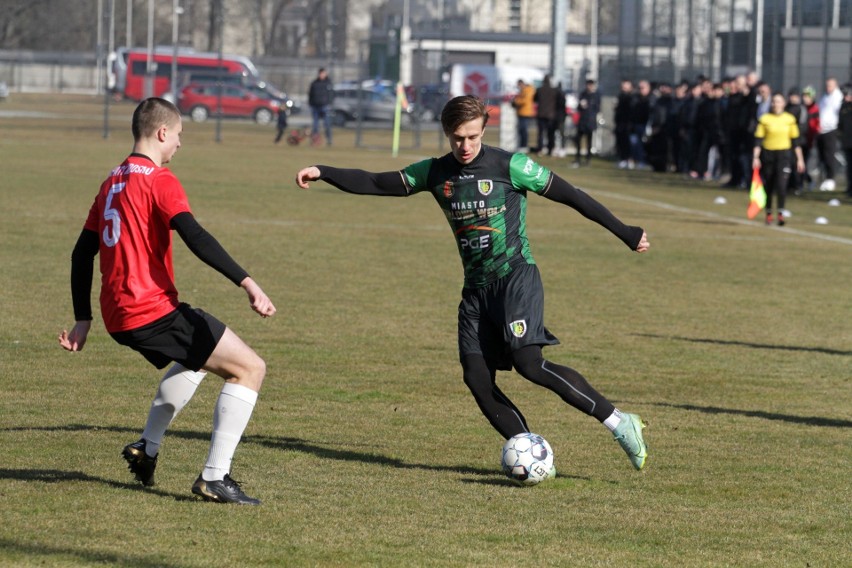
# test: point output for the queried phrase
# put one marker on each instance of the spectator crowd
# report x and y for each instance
(704, 130)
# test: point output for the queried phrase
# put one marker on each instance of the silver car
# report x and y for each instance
(350, 103)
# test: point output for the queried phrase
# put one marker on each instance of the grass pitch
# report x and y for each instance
(730, 338)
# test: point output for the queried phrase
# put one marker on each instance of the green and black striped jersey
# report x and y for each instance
(485, 203)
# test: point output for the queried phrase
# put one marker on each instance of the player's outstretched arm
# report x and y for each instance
(356, 181)
(76, 339)
(259, 301)
(563, 192)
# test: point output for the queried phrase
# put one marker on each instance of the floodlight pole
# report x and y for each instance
(799, 33)
(129, 25)
(149, 67)
(101, 16)
(593, 51)
(557, 50)
(758, 37)
(109, 13)
(176, 12)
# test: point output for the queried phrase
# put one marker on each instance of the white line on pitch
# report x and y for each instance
(746, 222)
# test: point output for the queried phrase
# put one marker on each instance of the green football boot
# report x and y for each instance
(629, 435)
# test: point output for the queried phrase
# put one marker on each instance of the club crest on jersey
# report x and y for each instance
(485, 186)
(519, 328)
(448, 189)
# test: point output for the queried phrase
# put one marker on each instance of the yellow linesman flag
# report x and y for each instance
(756, 195)
(400, 96)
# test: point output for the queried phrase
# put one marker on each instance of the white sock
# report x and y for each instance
(176, 388)
(613, 421)
(233, 410)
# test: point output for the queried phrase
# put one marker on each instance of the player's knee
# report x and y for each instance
(476, 374)
(252, 373)
(477, 383)
(258, 369)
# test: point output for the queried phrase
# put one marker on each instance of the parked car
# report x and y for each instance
(200, 100)
(351, 102)
(265, 90)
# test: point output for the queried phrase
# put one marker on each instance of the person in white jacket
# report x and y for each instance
(826, 142)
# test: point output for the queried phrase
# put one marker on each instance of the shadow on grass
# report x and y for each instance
(273, 442)
(44, 551)
(808, 420)
(299, 445)
(485, 475)
(60, 476)
(750, 344)
(506, 482)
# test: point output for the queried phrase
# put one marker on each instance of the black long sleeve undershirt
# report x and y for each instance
(391, 183)
(197, 239)
(364, 183)
(563, 192)
(82, 270)
(206, 247)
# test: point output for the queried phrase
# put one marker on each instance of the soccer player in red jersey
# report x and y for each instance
(130, 226)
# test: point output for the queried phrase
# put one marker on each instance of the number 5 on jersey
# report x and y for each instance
(112, 234)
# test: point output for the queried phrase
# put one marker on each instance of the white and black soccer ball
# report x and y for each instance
(527, 459)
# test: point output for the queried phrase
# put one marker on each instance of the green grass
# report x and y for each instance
(731, 339)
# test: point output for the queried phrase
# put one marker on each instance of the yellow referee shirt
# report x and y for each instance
(778, 131)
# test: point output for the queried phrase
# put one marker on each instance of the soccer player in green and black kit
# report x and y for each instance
(482, 191)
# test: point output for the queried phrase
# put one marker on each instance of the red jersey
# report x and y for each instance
(131, 215)
(813, 124)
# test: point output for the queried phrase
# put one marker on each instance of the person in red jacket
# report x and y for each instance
(809, 136)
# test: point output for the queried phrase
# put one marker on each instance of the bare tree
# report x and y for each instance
(32, 24)
(269, 15)
(215, 18)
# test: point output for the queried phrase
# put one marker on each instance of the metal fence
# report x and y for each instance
(787, 42)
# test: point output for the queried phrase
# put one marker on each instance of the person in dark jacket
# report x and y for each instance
(640, 112)
(658, 142)
(738, 121)
(708, 128)
(320, 96)
(622, 123)
(797, 109)
(681, 92)
(844, 126)
(588, 107)
(545, 97)
(281, 126)
(561, 113)
(688, 131)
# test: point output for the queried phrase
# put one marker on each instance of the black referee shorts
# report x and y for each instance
(504, 316)
(187, 336)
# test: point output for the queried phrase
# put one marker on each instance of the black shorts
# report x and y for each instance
(187, 336)
(504, 316)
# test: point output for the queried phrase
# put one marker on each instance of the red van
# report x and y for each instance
(129, 69)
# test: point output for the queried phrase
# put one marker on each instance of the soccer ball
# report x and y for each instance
(527, 459)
